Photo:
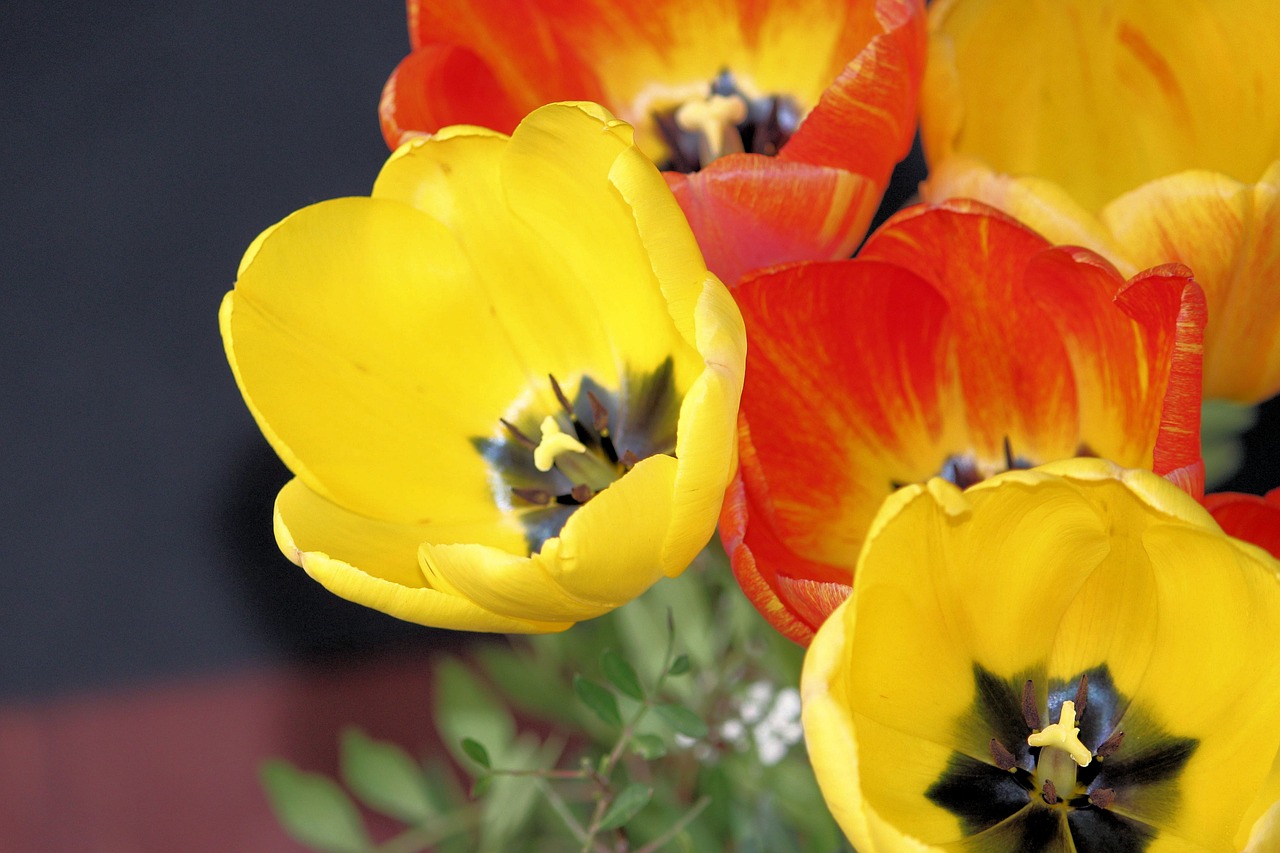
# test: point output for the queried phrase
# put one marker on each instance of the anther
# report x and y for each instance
(1103, 798)
(539, 497)
(519, 436)
(1001, 755)
(600, 420)
(1008, 454)
(578, 429)
(629, 460)
(1108, 747)
(581, 493)
(1029, 711)
(1082, 695)
(1050, 792)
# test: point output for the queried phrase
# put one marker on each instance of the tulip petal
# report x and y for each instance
(374, 563)
(609, 552)
(864, 121)
(751, 212)
(334, 377)
(1026, 87)
(440, 85)
(1229, 234)
(1249, 517)
(836, 418)
(1025, 393)
(553, 188)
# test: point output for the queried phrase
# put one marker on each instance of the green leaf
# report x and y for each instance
(679, 666)
(621, 674)
(385, 777)
(466, 708)
(481, 787)
(598, 699)
(682, 720)
(649, 747)
(314, 810)
(626, 805)
(476, 752)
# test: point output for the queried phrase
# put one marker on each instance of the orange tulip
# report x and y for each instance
(959, 343)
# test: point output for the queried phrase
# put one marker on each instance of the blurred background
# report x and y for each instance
(154, 645)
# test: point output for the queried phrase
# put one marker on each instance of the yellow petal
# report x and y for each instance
(1101, 96)
(355, 332)
(374, 563)
(1228, 232)
(832, 741)
(609, 552)
(1042, 574)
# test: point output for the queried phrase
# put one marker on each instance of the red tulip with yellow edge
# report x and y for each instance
(958, 343)
(1147, 131)
(779, 121)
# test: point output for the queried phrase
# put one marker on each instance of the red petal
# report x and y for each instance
(440, 85)
(865, 121)
(750, 212)
(842, 398)
(1015, 376)
(1170, 306)
(1249, 517)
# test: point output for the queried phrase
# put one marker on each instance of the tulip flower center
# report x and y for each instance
(967, 469)
(1046, 783)
(724, 119)
(545, 464)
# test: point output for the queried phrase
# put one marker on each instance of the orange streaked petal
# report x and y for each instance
(519, 41)
(750, 212)
(439, 85)
(865, 120)
(1249, 517)
(843, 397)
(1014, 370)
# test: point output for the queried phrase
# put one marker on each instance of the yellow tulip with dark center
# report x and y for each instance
(506, 383)
(1068, 658)
(1144, 130)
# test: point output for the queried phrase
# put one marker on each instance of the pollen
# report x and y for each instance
(555, 441)
(1064, 735)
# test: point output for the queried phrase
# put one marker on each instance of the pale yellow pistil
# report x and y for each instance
(1061, 752)
(714, 118)
(558, 449)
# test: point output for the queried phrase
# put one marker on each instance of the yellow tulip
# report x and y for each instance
(506, 382)
(1072, 657)
(1144, 130)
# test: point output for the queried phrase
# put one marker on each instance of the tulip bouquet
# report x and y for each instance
(604, 297)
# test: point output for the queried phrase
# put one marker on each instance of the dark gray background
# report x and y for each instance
(144, 146)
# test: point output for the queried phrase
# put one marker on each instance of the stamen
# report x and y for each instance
(1030, 712)
(716, 118)
(1050, 792)
(578, 429)
(600, 420)
(1063, 735)
(1008, 454)
(629, 460)
(1082, 695)
(540, 497)
(1001, 755)
(1108, 747)
(1103, 798)
(581, 493)
(519, 436)
(554, 442)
